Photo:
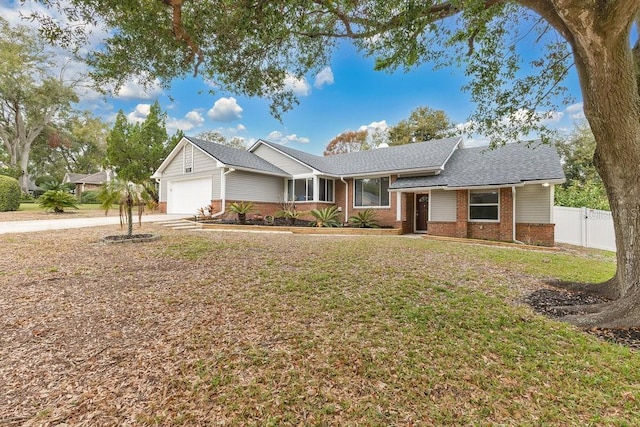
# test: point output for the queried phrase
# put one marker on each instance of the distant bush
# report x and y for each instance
(89, 198)
(9, 194)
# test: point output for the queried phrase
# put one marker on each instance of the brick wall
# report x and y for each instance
(437, 228)
(384, 216)
(536, 234)
(162, 207)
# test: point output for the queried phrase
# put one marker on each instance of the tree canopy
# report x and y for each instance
(30, 97)
(218, 138)
(423, 124)
(250, 47)
(583, 187)
(135, 151)
(348, 142)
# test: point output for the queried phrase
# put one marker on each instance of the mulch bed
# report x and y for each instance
(548, 302)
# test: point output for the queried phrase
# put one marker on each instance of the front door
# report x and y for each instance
(422, 212)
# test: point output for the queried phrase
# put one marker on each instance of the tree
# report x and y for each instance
(218, 138)
(423, 124)
(583, 187)
(30, 98)
(76, 145)
(348, 142)
(250, 47)
(135, 151)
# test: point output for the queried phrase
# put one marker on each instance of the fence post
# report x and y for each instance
(584, 237)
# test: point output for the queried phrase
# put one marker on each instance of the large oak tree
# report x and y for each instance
(249, 47)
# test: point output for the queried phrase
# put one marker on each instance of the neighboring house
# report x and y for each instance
(436, 187)
(86, 182)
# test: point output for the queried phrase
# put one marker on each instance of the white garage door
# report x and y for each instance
(186, 197)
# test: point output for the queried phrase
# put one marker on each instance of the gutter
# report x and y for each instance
(223, 185)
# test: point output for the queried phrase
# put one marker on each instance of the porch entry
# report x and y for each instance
(422, 212)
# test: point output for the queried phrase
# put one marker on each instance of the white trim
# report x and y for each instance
(371, 207)
(552, 193)
(484, 204)
(398, 206)
(513, 212)
(267, 144)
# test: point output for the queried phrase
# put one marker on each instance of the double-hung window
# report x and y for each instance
(484, 205)
(300, 190)
(325, 190)
(371, 192)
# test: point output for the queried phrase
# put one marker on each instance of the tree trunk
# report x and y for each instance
(607, 74)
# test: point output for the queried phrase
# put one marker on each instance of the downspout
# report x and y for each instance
(513, 214)
(346, 199)
(223, 191)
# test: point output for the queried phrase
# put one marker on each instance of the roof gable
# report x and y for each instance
(227, 156)
(421, 156)
(512, 163)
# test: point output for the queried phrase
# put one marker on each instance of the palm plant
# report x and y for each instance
(289, 212)
(242, 209)
(326, 217)
(364, 219)
(57, 200)
(126, 195)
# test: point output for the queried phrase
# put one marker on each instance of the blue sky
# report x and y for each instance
(346, 96)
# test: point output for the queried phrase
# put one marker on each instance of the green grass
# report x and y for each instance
(391, 331)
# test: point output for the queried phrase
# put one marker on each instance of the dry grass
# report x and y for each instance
(205, 328)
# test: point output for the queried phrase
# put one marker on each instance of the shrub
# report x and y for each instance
(9, 194)
(364, 219)
(289, 212)
(326, 217)
(242, 209)
(89, 198)
(57, 200)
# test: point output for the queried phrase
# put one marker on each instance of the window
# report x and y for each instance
(188, 159)
(300, 190)
(372, 192)
(325, 190)
(483, 205)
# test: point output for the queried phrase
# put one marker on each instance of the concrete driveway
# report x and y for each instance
(60, 224)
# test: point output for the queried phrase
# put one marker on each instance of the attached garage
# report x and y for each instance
(189, 195)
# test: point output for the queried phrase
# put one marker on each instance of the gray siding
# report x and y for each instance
(216, 189)
(533, 204)
(280, 160)
(443, 205)
(202, 165)
(163, 191)
(254, 187)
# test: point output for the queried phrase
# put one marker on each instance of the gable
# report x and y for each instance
(282, 161)
(200, 162)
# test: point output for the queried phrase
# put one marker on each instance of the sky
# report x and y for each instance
(347, 95)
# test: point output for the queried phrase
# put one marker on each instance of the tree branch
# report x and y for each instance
(181, 34)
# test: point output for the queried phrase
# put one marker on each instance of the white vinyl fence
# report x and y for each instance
(590, 228)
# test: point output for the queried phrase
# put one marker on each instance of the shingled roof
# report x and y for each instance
(231, 156)
(420, 156)
(513, 163)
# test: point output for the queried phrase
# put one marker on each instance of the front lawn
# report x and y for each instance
(214, 328)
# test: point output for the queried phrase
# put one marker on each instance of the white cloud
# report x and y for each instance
(576, 111)
(241, 128)
(192, 119)
(375, 126)
(280, 138)
(139, 114)
(299, 87)
(324, 77)
(225, 110)
(136, 90)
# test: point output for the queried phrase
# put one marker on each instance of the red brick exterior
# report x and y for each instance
(536, 234)
(162, 207)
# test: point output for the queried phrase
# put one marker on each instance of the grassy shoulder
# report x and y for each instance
(256, 329)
